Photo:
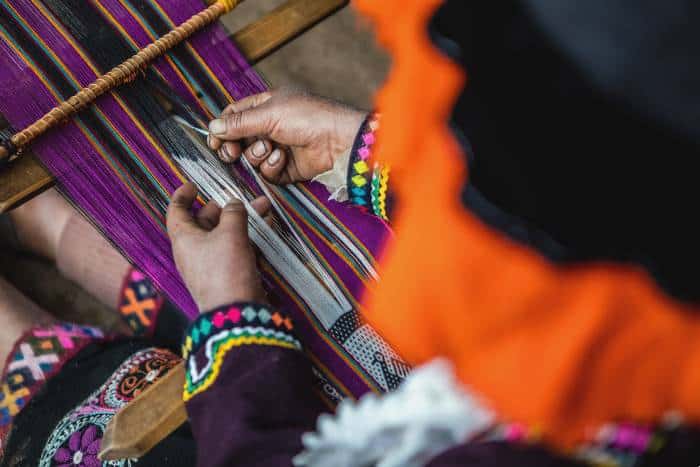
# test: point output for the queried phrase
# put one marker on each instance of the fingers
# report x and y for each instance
(273, 167)
(229, 151)
(234, 218)
(234, 126)
(247, 103)
(208, 216)
(262, 206)
(179, 215)
(214, 143)
(241, 106)
(257, 152)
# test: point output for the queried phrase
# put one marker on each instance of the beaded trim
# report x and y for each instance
(214, 334)
(359, 172)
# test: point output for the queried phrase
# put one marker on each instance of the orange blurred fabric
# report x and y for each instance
(562, 349)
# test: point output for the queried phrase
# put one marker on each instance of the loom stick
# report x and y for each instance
(146, 420)
(118, 75)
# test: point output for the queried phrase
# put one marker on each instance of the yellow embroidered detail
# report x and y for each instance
(359, 180)
(383, 187)
(221, 352)
(187, 347)
(361, 167)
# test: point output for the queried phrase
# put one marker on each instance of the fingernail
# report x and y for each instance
(218, 126)
(223, 154)
(274, 157)
(227, 152)
(259, 149)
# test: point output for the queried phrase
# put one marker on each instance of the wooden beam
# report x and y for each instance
(283, 24)
(26, 177)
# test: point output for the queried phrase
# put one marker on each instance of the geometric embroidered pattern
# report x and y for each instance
(214, 334)
(612, 445)
(359, 174)
(36, 357)
(139, 303)
(229, 317)
(621, 445)
(379, 187)
(345, 326)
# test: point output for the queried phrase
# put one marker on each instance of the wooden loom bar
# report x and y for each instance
(26, 177)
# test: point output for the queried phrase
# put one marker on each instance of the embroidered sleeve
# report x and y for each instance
(213, 335)
(249, 391)
(368, 181)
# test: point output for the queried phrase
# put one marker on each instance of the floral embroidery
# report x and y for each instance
(131, 380)
(215, 333)
(77, 437)
(140, 302)
(37, 356)
(81, 449)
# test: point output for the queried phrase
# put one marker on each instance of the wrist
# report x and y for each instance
(219, 296)
(347, 125)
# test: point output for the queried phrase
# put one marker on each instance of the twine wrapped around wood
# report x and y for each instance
(115, 77)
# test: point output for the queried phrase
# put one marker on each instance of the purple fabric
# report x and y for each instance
(257, 409)
(499, 454)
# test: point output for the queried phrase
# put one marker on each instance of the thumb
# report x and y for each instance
(256, 121)
(234, 218)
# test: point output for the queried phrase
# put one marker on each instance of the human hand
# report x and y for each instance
(212, 250)
(291, 136)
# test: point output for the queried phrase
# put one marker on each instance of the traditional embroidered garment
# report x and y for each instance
(36, 357)
(76, 438)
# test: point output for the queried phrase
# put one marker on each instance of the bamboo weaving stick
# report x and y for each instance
(115, 77)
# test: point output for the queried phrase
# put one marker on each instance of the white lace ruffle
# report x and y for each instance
(427, 415)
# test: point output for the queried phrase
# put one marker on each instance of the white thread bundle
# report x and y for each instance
(281, 246)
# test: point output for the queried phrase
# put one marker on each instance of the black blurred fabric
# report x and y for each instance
(592, 159)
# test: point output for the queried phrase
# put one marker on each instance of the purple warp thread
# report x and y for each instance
(71, 156)
(90, 178)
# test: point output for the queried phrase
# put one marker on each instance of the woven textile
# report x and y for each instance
(113, 161)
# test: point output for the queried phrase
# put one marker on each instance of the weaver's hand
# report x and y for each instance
(290, 135)
(212, 250)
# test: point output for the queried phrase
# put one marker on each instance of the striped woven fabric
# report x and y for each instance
(113, 161)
